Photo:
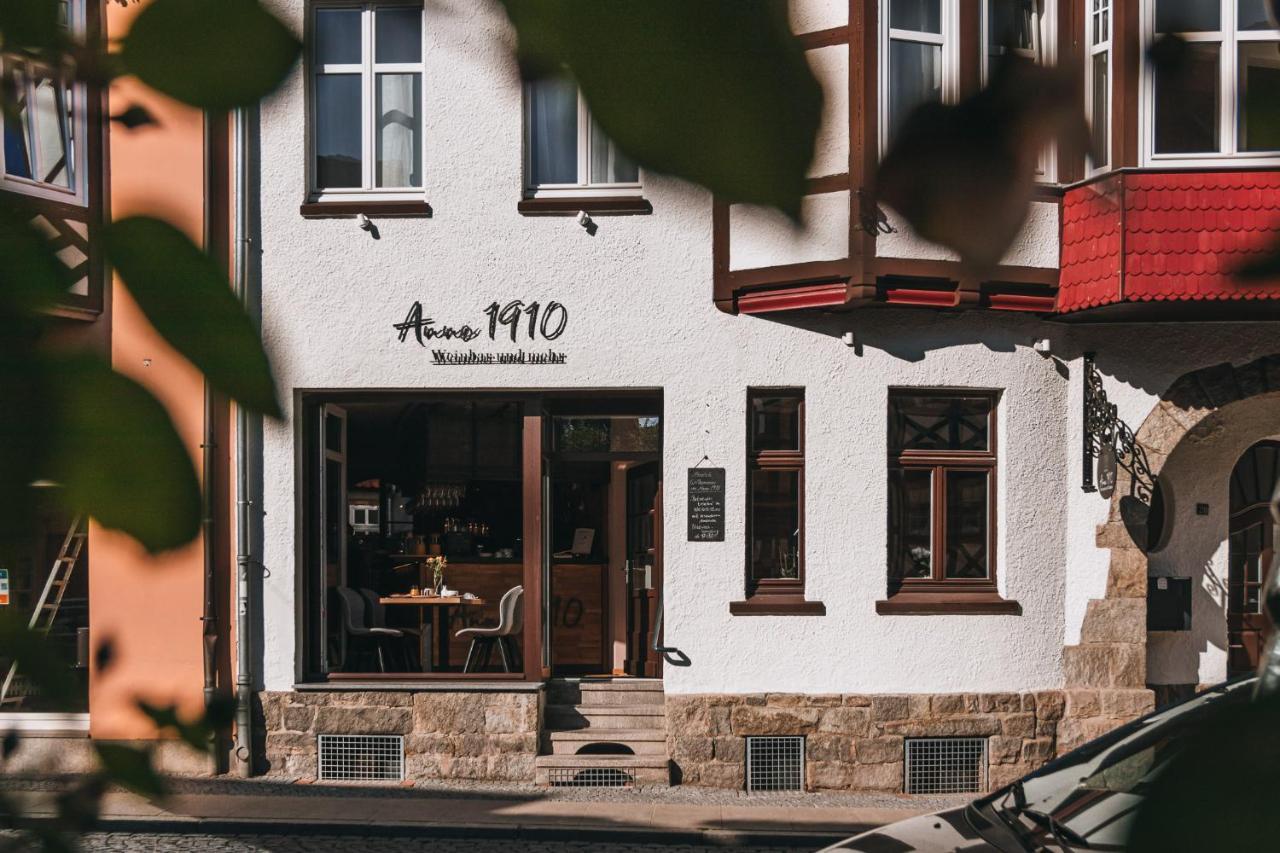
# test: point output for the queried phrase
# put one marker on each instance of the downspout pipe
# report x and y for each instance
(208, 443)
(245, 677)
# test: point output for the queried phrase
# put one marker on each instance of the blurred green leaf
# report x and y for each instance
(24, 428)
(118, 456)
(717, 92)
(29, 23)
(213, 56)
(31, 276)
(9, 745)
(963, 175)
(130, 768)
(187, 298)
(196, 734)
(37, 661)
(80, 805)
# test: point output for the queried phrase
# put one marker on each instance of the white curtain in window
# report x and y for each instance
(399, 131)
(915, 77)
(553, 132)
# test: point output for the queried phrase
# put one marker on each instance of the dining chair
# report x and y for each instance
(378, 619)
(503, 635)
(356, 623)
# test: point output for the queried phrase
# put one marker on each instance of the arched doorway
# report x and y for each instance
(1251, 544)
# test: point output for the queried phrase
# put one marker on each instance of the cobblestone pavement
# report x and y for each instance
(126, 842)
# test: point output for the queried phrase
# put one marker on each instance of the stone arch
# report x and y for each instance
(1106, 673)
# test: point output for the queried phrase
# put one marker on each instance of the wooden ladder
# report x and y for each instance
(46, 609)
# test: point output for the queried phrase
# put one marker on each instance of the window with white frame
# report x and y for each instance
(43, 153)
(1024, 29)
(566, 152)
(1219, 100)
(918, 59)
(366, 100)
(1097, 82)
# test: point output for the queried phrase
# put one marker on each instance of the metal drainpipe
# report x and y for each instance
(208, 445)
(243, 755)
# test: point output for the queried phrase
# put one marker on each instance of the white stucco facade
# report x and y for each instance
(639, 296)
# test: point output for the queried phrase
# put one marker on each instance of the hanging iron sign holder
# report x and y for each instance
(1109, 443)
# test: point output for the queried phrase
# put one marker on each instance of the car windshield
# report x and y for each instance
(1087, 799)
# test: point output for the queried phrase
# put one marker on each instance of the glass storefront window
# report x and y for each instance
(612, 434)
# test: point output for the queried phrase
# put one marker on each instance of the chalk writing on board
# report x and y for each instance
(706, 504)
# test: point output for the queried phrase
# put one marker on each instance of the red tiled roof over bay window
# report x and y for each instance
(1139, 237)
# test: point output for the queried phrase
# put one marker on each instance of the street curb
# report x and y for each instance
(529, 832)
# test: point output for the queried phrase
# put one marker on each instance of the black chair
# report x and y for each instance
(378, 619)
(356, 624)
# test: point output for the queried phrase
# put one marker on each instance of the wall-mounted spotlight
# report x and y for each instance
(1042, 346)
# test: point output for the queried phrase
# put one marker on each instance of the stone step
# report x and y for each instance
(603, 696)
(561, 717)
(601, 770)
(640, 741)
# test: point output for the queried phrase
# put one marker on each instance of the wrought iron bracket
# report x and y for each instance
(1104, 431)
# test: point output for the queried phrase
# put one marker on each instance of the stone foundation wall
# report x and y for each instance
(486, 735)
(856, 742)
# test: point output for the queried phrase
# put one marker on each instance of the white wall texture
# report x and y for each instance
(641, 315)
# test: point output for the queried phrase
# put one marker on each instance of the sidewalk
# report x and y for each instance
(679, 813)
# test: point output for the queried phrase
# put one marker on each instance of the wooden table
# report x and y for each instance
(439, 619)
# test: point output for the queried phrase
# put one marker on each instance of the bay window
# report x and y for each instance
(918, 59)
(1218, 101)
(566, 152)
(942, 466)
(366, 101)
(1022, 29)
(44, 153)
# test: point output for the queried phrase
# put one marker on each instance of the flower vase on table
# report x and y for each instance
(436, 565)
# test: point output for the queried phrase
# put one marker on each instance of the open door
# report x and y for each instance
(643, 567)
(333, 540)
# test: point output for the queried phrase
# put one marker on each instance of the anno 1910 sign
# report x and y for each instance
(515, 321)
(706, 504)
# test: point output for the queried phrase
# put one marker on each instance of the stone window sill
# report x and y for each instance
(619, 206)
(419, 686)
(777, 605)
(371, 208)
(948, 603)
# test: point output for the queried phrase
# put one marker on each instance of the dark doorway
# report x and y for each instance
(644, 566)
(1250, 549)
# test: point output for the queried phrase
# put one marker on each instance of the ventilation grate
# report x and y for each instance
(775, 764)
(361, 758)
(946, 765)
(590, 777)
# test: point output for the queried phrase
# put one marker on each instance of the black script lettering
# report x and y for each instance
(425, 329)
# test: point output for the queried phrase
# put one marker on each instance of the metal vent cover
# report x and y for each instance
(946, 765)
(775, 763)
(589, 777)
(361, 758)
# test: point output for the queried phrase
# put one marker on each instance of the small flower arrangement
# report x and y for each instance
(437, 566)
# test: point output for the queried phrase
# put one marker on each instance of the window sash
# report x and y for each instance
(369, 70)
(584, 186)
(939, 541)
(780, 461)
(1042, 52)
(1104, 14)
(72, 133)
(949, 60)
(1230, 94)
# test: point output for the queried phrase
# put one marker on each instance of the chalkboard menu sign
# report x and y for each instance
(706, 504)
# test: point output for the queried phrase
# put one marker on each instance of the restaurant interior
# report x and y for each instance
(423, 517)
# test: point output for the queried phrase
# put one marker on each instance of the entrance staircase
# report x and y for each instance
(604, 733)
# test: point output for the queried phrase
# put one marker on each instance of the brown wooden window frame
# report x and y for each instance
(776, 596)
(938, 593)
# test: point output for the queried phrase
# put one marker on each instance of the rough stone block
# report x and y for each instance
(447, 713)
(890, 707)
(829, 747)
(284, 742)
(877, 777)
(511, 767)
(1006, 774)
(357, 720)
(1082, 703)
(1105, 665)
(298, 718)
(1127, 575)
(1050, 704)
(967, 726)
(879, 750)
(719, 774)
(1000, 703)
(1113, 534)
(1115, 620)
(802, 700)
(829, 775)
(1046, 728)
(272, 709)
(856, 700)
(1018, 725)
(1004, 750)
(852, 721)
(947, 703)
(919, 707)
(1028, 702)
(1037, 751)
(1127, 704)
(508, 719)
(693, 749)
(729, 749)
(749, 720)
(371, 698)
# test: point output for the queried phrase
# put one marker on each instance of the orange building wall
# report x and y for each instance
(150, 607)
